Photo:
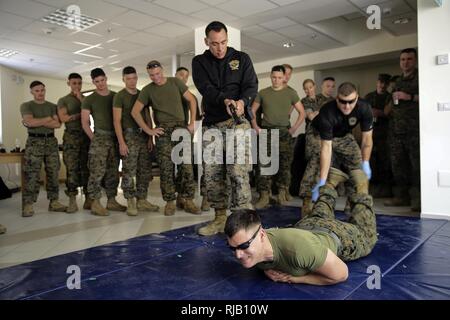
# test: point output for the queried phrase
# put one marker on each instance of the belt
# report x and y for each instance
(74, 130)
(41, 135)
(327, 231)
(133, 130)
(105, 132)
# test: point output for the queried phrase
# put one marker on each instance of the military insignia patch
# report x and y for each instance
(234, 65)
(352, 121)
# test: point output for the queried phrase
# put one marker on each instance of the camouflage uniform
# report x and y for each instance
(216, 174)
(358, 235)
(41, 146)
(405, 143)
(380, 160)
(75, 147)
(312, 147)
(137, 164)
(283, 176)
(346, 154)
(103, 165)
(38, 150)
(164, 146)
(75, 157)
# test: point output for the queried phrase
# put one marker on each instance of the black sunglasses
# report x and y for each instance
(341, 101)
(153, 65)
(245, 245)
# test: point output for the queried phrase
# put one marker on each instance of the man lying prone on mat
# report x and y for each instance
(313, 251)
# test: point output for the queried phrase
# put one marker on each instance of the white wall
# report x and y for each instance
(433, 26)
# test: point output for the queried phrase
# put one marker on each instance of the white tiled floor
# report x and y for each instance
(50, 234)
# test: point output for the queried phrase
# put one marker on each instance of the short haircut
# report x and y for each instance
(36, 83)
(287, 66)
(328, 79)
(216, 26)
(182, 69)
(279, 68)
(154, 64)
(128, 70)
(409, 50)
(308, 80)
(74, 76)
(384, 78)
(97, 72)
(346, 89)
(241, 219)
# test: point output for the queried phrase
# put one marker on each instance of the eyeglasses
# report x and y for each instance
(153, 65)
(245, 245)
(341, 101)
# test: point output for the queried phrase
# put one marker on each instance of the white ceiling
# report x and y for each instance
(133, 32)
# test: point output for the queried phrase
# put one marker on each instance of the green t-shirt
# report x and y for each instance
(101, 110)
(125, 100)
(298, 252)
(166, 100)
(39, 111)
(276, 105)
(73, 106)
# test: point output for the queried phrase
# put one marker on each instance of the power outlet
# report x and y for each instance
(442, 59)
(444, 178)
(443, 106)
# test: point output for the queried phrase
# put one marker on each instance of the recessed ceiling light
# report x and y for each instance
(288, 44)
(7, 53)
(401, 21)
(71, 21)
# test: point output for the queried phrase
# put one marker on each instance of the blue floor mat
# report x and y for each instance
(412, 254)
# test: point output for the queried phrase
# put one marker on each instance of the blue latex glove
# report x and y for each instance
(366, 168)
(315, 190)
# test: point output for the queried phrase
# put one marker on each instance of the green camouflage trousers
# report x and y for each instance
(103, 164)
(219, 176)
(358, 235)
(38, 150)
(283, 176)
(405, 155)
(164, 146)
(136, 166)
(346, 156)
(75, 157)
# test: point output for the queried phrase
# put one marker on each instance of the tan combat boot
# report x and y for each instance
(56, 206)
(2, 229)
(215, 226)
(97, 209)
(144, 205)
(190, 207)
(205, 204)
(306, 206)
(87, 203)
(180, 202)
(360, 181)
(264, 200)
(400, 199)
(280, 199)
(131, 207)
(287, 194)
(73, 207)
(27, 210)
(170, 208)
(113, 205)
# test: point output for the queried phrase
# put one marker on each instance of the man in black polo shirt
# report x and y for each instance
(334, 125)
(226, 80)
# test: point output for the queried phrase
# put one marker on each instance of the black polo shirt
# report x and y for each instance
(332, 123)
